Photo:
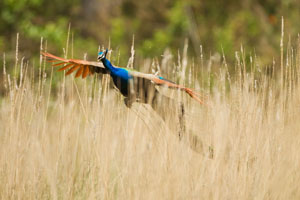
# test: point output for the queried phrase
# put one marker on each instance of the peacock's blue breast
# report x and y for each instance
(121, 79)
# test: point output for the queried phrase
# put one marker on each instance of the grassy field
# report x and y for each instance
(77, 140)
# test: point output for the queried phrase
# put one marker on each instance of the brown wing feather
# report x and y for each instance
(72, 69)
(85, 71)
(79, 71)
(57, 64)
(66, 67)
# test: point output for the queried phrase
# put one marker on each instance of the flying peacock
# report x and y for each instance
(134, 86)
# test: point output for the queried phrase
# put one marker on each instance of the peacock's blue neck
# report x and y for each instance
(120, 76)
(108, 65)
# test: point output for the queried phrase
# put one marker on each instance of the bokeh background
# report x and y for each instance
(156, 24)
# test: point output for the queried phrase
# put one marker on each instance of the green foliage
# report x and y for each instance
(34, 19)
(178, 22)
(158, 43)
(118, 30)
(241, 30)
(170, 35)
(156, 25)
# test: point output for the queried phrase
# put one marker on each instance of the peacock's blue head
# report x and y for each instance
(102, 54)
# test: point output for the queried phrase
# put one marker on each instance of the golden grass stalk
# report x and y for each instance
(88, 145)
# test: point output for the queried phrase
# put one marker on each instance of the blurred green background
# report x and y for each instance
(155, 24)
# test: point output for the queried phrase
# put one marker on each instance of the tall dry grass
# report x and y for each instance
(79, 141)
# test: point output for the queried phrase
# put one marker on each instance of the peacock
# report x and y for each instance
(133, 85)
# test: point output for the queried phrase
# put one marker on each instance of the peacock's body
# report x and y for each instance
(134, 86)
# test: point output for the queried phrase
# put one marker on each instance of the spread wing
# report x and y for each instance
(158, 80)
(82, 67)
